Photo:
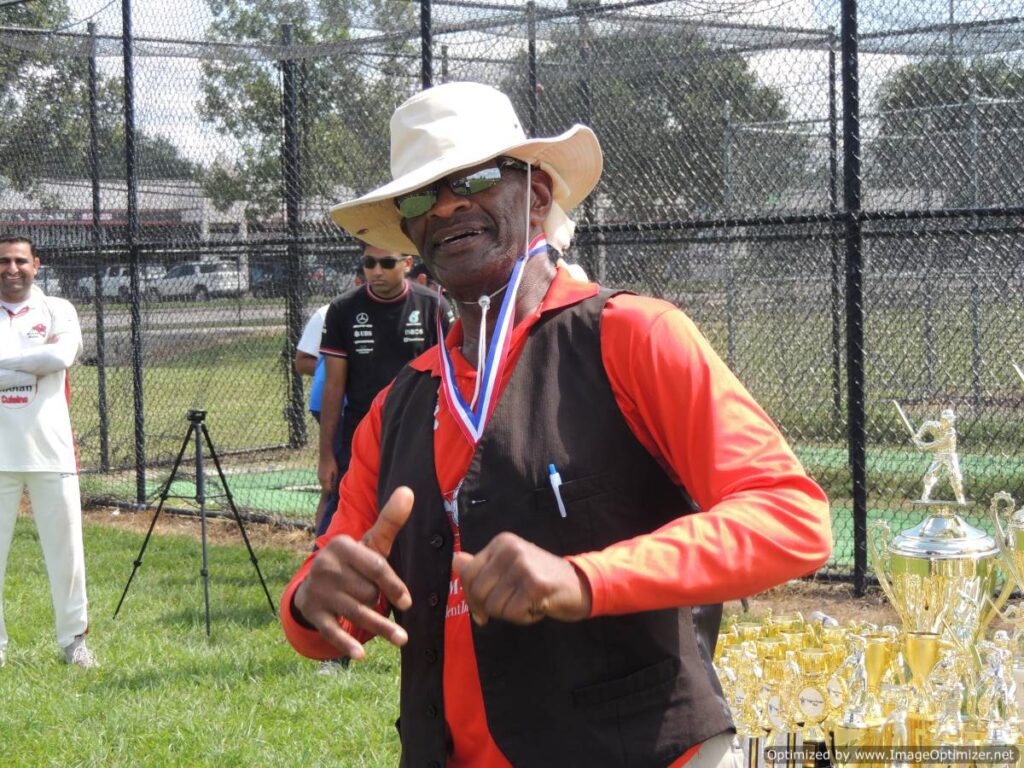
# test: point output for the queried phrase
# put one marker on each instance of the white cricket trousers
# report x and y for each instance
(57, 509)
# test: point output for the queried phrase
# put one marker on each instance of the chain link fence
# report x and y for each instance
(846, 236)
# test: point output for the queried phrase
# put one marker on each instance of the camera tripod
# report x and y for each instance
(197, 428)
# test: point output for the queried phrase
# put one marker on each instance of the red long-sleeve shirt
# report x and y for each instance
(763, 520)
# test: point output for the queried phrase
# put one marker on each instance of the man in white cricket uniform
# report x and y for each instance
(39, 340)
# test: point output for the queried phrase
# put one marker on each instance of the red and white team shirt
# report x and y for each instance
(35, 424)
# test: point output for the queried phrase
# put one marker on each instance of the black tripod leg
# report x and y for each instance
(238, 519)
(201, 499)
(159, 507)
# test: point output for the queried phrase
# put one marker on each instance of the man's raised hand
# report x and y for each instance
(514, 580)
(347, 577)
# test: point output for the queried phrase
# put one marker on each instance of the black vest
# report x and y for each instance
(633, 690)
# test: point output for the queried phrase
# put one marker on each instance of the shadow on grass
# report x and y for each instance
(187, 617)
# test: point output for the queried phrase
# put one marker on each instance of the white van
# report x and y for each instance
(201, 280)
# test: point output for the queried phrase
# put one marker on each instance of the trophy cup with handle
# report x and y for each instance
(939, 575)
(1009, 526)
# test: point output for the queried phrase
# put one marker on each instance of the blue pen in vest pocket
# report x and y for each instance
(556, 484)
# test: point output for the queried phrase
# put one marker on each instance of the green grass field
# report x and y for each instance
(165, 694)
(240, 383)
(782, 353)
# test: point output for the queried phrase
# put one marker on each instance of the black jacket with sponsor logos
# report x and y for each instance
(378, 337)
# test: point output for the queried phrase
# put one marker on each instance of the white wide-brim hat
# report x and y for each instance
(458, 125)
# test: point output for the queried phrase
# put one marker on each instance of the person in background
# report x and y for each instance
(309, 363)
(307, 350)
(421, 275)
(40, 338)
(555, 501)
(369, 334)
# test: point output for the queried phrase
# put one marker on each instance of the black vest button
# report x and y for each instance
(437, 541)
(434, 599)
(431, 710)
(432, 655)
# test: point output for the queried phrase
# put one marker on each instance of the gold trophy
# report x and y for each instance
(739, 670)
(939, 439)
(862, 721)
(1011, 537)
(947, 688)
(812, 694)
(939, 575)
(1009, 526)
(921, 653)
(997, 691)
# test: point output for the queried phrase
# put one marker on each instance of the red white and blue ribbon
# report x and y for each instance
(472, 418)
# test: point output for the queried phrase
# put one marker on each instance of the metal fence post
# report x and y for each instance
(727, 134)
(131, 184)
(426, 46)
(977, 360)
(928, 334)
(730, 315)
(730, 277)
(857, 432)
(292, 170)
(531, 65)
(586, 112)
(96, 235)
(836, 261)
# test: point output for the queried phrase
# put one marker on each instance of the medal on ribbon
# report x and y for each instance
(472, 417)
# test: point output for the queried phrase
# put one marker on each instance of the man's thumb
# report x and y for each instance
(460, 560)
(381, 535)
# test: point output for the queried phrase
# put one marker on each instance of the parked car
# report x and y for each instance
(200, 280)
(48, 282)
(115, 282)
(269, 280)
(326, 280)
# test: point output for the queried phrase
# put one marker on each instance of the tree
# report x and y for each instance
(951, 126)
(29, 81)
(658, 105)
(345, 100)
(44, 111)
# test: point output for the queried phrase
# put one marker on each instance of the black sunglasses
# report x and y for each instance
(387, 262)
(422, 200)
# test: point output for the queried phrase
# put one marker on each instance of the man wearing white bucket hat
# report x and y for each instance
(543, 500)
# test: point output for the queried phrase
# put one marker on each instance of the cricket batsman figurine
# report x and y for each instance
(941, 443)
